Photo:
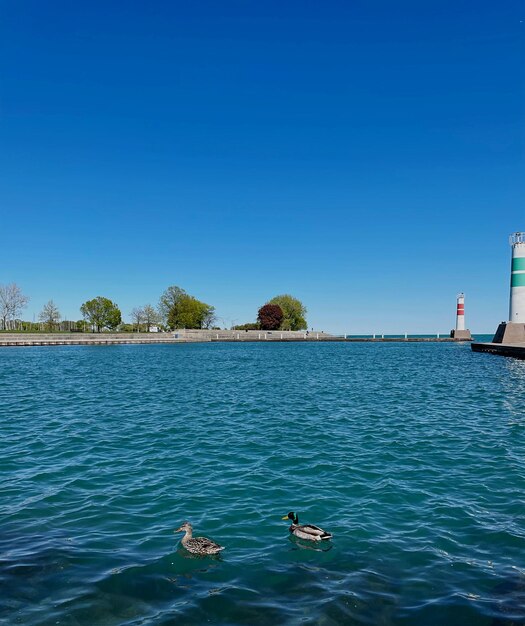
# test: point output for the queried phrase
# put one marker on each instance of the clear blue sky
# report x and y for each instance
(366, 157)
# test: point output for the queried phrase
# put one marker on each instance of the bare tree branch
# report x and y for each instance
(12, 302)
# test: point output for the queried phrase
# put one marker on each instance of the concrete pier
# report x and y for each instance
(516, 350)
(509, 340)
(196, 336)
(175, 337)
(81, 339)
(510, 332)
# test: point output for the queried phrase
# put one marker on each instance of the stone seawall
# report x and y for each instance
(253, 335)
(65, 339)
(516, 350)
(177, 336)
(192, 336)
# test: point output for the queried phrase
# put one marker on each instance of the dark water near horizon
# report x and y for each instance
(412, 455)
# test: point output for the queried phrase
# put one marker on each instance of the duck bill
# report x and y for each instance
(285, 517)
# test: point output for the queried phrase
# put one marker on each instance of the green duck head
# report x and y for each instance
(292, 516)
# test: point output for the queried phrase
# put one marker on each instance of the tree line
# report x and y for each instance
(280, 313)
(176, 309)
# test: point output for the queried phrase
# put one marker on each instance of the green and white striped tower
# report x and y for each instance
(511, 334)
(513, 331)
(517, 279)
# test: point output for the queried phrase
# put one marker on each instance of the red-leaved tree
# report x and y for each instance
(270, 317)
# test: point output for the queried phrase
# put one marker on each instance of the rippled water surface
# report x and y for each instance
(412, 455)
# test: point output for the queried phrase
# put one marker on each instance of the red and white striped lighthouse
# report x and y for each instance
(460, 314)
(460, 333)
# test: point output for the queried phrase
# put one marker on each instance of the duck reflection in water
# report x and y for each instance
(301, 544)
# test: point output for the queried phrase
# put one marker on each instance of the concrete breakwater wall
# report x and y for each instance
(64, 339)
(192, 336)
(177, 336)
(516, 350)
(289, 335)
(254, 335)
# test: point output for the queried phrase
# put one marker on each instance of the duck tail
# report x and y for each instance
(326, 535)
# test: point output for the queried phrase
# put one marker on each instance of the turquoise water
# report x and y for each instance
(412, 455)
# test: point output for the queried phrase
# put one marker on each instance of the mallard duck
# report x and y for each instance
(306, 531)
(197, 545)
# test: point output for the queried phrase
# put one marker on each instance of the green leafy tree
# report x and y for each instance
(180, 310)
(188, 312)
(294, 312)
(50, 315)
(81, 326)
(208, 315)
(247, 326)
(170, 298)
(101, 313)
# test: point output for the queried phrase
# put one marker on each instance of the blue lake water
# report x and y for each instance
(412, 455)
